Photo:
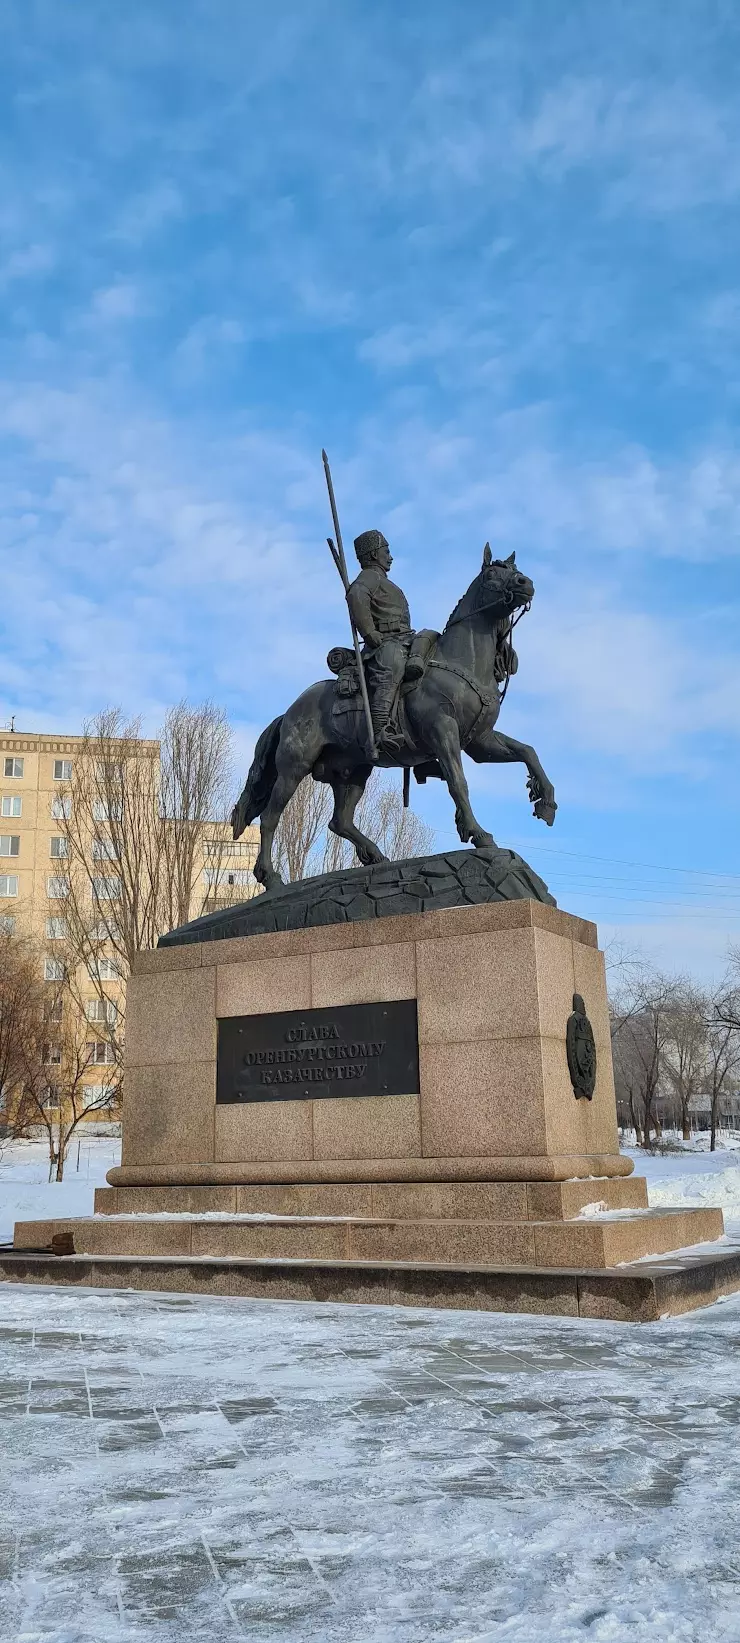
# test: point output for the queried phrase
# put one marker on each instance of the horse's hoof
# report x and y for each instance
(481, 840)
(370, 858)
(545, 811)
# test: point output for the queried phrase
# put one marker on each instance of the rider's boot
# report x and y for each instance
(387, 736)
(389, 740)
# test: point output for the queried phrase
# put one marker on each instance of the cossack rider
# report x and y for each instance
(381, 615)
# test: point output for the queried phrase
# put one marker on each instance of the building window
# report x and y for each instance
(8, 884)
(102, 1094)
(52, 1055)
(57, 929)
(7, 924)
(14, 767)
(103, 811)
(105, 969)
(62, 770)
(220, 877)
(10, 844)
(58, 846)
(11, 805)
(104, 930)
(104, 850)
(61, 808)
(102, 1009)
(106, 889)
(227, 847)
(53, 1010)
(53, 969)
(57, 887)
(100, 1054)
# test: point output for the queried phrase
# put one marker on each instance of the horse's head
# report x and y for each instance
(499, 589)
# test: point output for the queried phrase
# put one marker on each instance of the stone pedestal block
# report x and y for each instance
(493, 987)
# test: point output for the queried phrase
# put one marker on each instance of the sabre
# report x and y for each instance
(337, 554)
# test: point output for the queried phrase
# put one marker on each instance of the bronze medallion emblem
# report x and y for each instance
(581, 1050)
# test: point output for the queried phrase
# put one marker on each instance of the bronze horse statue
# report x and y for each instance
(451, 709)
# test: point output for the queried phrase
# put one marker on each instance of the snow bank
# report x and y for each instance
(27, 1195)
(680, 1179)
(720, 1190)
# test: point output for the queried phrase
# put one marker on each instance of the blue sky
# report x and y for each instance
(488, 255)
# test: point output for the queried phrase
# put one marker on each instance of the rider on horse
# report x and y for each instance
(381, 615)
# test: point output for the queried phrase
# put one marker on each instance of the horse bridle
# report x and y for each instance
(507, 641)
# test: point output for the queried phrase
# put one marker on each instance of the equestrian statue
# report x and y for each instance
(399, 699)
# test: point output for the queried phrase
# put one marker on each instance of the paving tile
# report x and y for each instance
(117, 1436)
(272, 1471)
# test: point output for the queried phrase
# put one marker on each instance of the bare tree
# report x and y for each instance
(195, 787)
(723, 1061)
(304, 846)
(21, 1016)
(627, 1082)
(132, 820)
(727, 1000)
(640, 1027)
(399, 832)
(57, 1087)
(723, 1048)
(685, 1048)
(302, 825)
(47, 1051)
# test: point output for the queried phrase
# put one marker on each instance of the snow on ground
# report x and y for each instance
(26, 1194)
(693, 1177)
(187, 1468)
(180, 1468)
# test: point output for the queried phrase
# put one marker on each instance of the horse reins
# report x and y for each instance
(507, 641)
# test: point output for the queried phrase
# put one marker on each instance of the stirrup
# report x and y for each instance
(390, 740)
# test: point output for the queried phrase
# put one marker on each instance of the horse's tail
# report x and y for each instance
(260, 781)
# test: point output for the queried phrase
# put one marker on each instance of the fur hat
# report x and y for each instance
(368, 546)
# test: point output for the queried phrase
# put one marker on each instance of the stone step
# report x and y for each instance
(404, 1201)
(638, 1293)
(605, 1240)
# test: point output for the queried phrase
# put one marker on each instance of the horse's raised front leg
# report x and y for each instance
(493, 747)
(443, 738)
(347, 795)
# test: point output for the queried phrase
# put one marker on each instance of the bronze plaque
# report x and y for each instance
(298, 1055)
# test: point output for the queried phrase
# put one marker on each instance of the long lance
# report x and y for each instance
(337, 554)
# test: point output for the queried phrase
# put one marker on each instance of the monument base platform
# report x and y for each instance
(641, 1292)
(578, 1248)
(412, 1110)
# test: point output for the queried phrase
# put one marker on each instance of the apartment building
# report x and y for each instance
(35, 771)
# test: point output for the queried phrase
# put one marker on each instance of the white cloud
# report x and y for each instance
(149, 212)
(211, 336)
(632, 687)
(121, 300)
(657, 146)
(28, 262)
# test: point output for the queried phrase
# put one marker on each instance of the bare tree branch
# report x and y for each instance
(304, 847)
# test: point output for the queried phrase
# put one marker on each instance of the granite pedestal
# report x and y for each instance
(493, 986)
(486, 1181)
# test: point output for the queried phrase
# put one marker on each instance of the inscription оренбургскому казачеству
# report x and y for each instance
(352, 1049)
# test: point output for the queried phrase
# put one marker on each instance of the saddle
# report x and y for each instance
(347, 711)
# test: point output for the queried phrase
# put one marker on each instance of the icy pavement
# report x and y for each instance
(180, 1469)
